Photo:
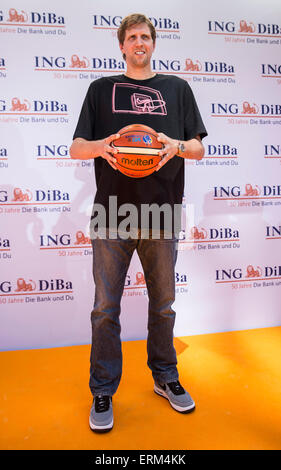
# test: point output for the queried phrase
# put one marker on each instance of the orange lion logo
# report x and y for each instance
(244, 28)
(18, 106)
(248, 109)
(250, 191)
(189, 65)
(140, 280)
(14, 17)
(81, 239)
(23, 286)
(19, 195)
(77, 63)
(197, 234)
(251, 272)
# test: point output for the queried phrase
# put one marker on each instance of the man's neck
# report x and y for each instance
(139, 74)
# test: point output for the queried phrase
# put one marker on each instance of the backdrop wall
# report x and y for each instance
(229, 266)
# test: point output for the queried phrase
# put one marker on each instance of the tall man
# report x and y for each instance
(165, 103)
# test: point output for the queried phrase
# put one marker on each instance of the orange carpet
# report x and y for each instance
(234, 378)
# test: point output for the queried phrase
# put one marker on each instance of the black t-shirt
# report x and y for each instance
(165, 103)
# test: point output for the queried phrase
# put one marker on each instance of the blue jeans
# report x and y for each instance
(111, 259)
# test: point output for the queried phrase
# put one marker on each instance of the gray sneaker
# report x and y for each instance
(178, 397)
(101, 415)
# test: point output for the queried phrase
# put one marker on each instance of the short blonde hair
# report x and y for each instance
(131, 20)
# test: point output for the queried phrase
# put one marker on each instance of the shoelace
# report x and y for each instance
(176, 388)
(101, 403)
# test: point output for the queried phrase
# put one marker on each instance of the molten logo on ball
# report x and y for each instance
(136, 162)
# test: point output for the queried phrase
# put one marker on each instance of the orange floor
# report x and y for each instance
(234, 377)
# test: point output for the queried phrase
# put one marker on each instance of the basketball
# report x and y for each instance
(138, 149)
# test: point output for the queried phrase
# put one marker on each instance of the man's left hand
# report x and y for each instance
(169, 150)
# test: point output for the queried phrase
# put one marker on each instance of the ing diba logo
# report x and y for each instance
(23, 286)
(252, 272)
(39, 196)
(18, 106)
(208, 67)
(77, 63)
(20, 195)
(64, 240)
(243, 28)
(190, 66)
(229, 275)
(15, 17)
(140, 280)
(218, 234)
(248, 109)
(250, 191)
(42, 18)
(81, 239)
(197, 234)
(246, 28)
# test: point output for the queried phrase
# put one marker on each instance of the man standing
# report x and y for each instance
(166, 104)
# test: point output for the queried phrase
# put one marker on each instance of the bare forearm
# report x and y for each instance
(85, 149)
(193, 149)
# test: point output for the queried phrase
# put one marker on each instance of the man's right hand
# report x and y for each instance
(108, 152)
(83, 149)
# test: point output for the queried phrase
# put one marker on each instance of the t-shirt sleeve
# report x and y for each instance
(86, 122)
(193, 123)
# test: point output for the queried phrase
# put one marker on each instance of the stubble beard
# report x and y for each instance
(140, 64)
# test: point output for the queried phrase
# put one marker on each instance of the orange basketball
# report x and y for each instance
(138, 149)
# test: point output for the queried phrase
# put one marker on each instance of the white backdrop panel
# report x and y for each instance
(228, 273)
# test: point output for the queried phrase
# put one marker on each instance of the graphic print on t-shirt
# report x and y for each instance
(137, 99)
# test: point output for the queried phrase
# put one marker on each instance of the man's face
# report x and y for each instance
(138, 45)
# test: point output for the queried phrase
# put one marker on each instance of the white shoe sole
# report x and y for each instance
(96, 428)
(181, 409)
